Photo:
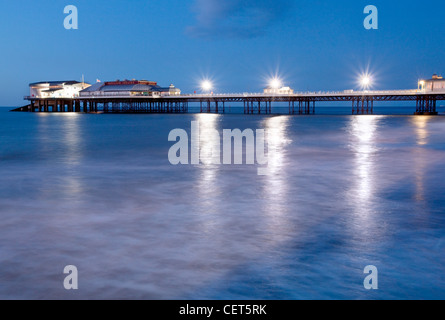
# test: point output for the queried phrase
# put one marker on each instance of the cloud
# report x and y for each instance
(236, 18)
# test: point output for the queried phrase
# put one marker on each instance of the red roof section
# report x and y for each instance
(130, 82)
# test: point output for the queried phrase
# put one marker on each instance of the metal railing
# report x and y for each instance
(247, 94)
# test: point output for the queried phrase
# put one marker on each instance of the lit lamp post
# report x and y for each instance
(362, 104)
(275, 85)
(206, 86)
(366, 82)
(421, 85)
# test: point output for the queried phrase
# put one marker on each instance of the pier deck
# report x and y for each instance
(301, 103)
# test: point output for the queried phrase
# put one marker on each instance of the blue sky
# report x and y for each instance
(239, 44)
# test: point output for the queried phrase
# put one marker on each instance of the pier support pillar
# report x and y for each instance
(426, 105)
(363, 105)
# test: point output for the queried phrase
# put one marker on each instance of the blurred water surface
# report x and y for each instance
(98, 192)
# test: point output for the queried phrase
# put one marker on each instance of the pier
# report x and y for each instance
(143, 96)
(298, 104)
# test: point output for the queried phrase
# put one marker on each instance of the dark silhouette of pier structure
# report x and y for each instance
(299, 104)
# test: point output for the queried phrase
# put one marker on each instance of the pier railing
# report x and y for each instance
(350, 93)
(262, 95)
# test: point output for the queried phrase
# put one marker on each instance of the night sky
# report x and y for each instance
(238, 44)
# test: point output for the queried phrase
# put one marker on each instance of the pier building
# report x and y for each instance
(56, 89)
(274, 90)
(129, 88)
(435, 84)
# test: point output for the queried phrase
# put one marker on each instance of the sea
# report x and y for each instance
(98, 192)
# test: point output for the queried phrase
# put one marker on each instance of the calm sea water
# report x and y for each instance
(98, 192)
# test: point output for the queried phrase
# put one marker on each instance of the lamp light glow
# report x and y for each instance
(275, 83)
(366, 81)
(206, 86)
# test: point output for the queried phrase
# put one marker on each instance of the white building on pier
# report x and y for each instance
(436, 84)
(278, 90)
(129, 88)
(56, 89)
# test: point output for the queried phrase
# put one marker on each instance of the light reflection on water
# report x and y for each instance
(66, 141)
(419, 164)
(364, 146)
(275, 187)
(344, 192)
(209, 172)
